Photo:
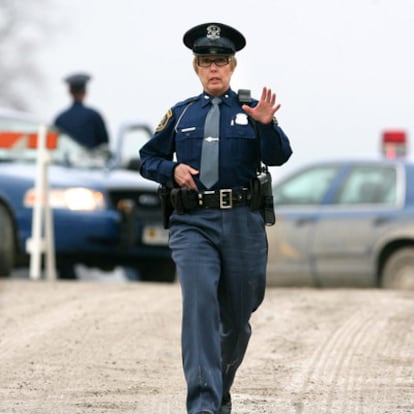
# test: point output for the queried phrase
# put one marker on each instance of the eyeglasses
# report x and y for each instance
(206, 62)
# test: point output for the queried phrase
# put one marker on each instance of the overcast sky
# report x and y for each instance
(342, 69)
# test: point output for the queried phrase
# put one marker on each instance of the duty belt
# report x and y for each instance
(184, 200)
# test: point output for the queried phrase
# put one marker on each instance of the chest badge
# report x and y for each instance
(241, 119)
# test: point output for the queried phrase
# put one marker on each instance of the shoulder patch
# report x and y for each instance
(164, 121)
(275, 121)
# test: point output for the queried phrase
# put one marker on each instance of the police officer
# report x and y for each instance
(84, 124)
(218, 241)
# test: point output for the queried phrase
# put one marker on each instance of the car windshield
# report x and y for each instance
(18, 144)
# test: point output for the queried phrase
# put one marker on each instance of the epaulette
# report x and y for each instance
(187, 101)
(182, 108)
(169, 114)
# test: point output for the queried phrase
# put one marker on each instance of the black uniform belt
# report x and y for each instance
(187, 200)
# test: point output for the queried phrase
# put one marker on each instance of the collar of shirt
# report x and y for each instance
(226, 98)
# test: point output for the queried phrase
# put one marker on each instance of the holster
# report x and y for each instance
(262, 197)
(166, 205)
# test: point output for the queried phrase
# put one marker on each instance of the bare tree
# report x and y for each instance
(24, 26)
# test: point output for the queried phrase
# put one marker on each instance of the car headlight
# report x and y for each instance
(76, 198)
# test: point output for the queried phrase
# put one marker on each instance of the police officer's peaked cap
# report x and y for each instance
(214, 39)
(78, 80)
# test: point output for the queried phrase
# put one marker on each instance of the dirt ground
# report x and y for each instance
(92, 347)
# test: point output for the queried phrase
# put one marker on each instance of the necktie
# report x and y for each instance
(210, 150)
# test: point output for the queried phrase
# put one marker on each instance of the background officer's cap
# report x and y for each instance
(214, 39)
(77, 80)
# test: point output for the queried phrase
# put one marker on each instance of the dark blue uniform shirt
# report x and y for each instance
(84, 124)
(182, 130)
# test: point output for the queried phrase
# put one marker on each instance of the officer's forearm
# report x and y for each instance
(275, 146)
(158, 169)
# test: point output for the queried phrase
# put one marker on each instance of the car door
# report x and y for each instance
(131, 137)
(362, 208)
(297, 202)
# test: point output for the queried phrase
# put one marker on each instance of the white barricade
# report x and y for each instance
(42, 240)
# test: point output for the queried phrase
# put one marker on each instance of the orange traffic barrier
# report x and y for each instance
(10, 139)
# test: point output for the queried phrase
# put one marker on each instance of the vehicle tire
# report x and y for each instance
(7, 251)
(398, 271)
(157, 270)
(66, 269)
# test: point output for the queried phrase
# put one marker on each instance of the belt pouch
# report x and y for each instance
(176, 200)
(184, 199)
(189, 199)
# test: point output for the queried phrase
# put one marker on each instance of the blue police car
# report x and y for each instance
(104, 213)
(345, 223)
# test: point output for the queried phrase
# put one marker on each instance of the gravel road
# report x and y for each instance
(90, 347)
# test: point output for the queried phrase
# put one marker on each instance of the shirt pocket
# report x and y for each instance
(188, 145)
(242, 143)
(241, 131)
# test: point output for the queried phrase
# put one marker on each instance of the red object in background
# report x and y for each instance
(11, 139)
(394, 143)
(51, 140)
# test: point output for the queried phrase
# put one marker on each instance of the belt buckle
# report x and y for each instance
(226, 199)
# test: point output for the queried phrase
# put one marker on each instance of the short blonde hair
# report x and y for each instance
(233, 63)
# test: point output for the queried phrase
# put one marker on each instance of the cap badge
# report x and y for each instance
(213, 32)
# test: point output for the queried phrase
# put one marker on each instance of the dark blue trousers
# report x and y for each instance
(221, 258)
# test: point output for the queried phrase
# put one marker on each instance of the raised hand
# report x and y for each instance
(265, 109)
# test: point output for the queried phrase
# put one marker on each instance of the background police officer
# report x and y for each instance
(218, 241)
(84, 124)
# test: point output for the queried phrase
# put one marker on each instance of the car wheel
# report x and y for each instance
(66, 268)
(7, 252)
(399, 270)
(157, 270)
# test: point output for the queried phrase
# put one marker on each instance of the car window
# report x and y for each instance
(369, 184)
(306, 187)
